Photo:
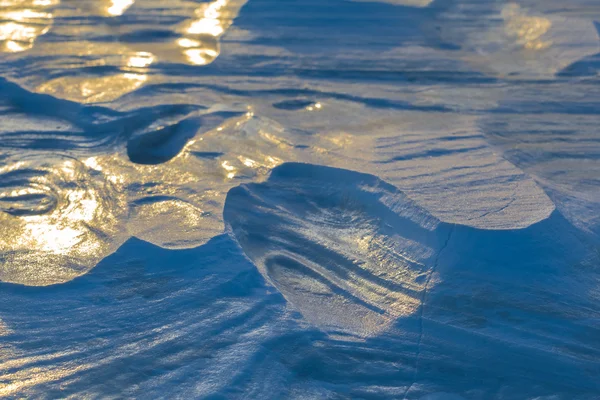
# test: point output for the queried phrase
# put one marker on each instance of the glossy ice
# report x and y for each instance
(303, 199)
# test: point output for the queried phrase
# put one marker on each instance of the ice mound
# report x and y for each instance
(351, 252)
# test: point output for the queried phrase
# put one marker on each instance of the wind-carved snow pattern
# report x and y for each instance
(354, 254)
(518, 41)
(443, 162)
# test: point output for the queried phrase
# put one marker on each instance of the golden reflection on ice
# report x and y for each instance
(526, 30)
(60, 217)
(118, 7)
(182, 200)
(22, 23)
(64, 234)
(230, 169)
(209, 22)
(200, 56)
(48, 234)
(200, 42)
(313, 107)
(97, 89)
(197, 44)
(519, 41)
(186, 43)
(140, 60)
(177, 207)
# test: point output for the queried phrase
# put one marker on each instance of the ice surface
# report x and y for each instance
(300, 199)
(352, 253)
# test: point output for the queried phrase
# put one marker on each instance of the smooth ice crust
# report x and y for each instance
(521, 42)
(349, 251)
(23, 21)
(68, 214)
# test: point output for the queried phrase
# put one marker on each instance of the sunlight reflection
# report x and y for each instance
(59, 218)
(519, 41)
(200, 56)
(214, 18)
(23, 22)
(197, 43)
(140, 60)
(118, 7)
(56, 227)
(229, 168)
(95, 89)
(526, 30)
(210, 22)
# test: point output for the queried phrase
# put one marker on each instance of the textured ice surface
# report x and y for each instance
(58, 220)
(510, 39)
(351, 252)
(299, 199)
